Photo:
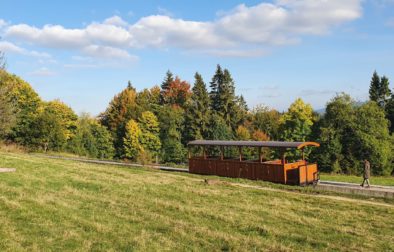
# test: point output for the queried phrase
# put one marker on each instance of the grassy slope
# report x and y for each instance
(65, 205)
(384, 181)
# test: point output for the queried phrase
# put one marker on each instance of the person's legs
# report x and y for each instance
(367, 182)
(362, 184)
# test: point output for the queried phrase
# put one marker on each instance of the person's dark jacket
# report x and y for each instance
(367, 169)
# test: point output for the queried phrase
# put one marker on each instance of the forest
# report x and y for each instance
(155, 125)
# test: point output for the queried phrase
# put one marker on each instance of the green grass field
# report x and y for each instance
(375, 180)
(57, 205)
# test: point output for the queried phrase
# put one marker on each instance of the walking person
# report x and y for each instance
(367, 173)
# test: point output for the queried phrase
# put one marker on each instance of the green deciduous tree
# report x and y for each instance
(7, 109)
(53, 126)
(336, 135)
(372, 139)
(66, 116)
(296, 123)
(266, 120)
(26, 104)
(91, 139)
(47, 131)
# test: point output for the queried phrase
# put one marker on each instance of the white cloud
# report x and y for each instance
(107, 34)
(115, 20)
(43, 71)
(55, 36)
(163, 31)
(261, 26)
(3, 23)
(9, 47)
(107, 52)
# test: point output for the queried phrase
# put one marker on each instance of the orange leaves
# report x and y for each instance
(177, 93)
(259, 135)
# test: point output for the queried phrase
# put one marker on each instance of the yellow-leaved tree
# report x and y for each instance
(132, 145)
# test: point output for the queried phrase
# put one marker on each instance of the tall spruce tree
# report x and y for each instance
(379, 90)
(215, 85)
(165, 85)
(227, 100)
(239, 113)
(198, 112)
(384, 92)
(374, 87)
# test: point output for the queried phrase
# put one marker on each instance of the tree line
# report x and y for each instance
(155, 125)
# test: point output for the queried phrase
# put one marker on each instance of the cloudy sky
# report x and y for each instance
(84, 52)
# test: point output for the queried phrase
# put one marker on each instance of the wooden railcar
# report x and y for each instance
(279, 171)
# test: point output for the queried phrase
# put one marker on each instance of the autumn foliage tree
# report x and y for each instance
(132, 140)
(120, 111)
(177, 92)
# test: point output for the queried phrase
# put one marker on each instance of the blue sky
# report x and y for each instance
(84, 52)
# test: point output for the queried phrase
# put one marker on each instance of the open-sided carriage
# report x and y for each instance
(299, 172)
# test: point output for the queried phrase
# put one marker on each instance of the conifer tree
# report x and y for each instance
(165, 85)
(379, 90)
(172, 121)
(227, 100)
(239, 112)
(197, 117)
(215, 85)
(374, 87)
(149, 139)
(384, 92)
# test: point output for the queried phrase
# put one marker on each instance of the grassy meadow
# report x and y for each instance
(60, 205)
